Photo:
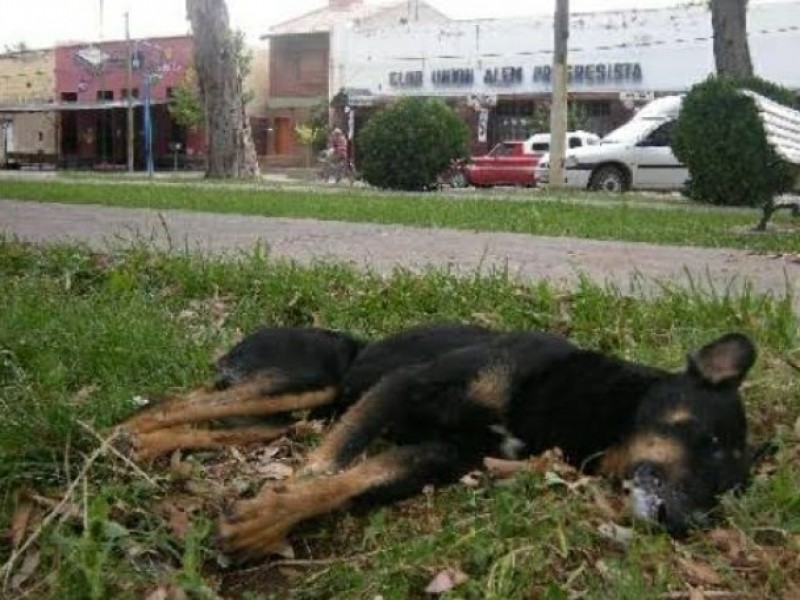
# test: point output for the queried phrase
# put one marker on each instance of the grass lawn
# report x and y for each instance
(576, 214)
(82, 334)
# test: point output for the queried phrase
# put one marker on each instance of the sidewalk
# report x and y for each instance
(384, 247)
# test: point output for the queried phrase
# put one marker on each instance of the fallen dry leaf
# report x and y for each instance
(275, 470)
(27, 569)
(791, 592)
(770, 536)
(611, 507)
(500, 468)
(283, 549)
(178, 516)
(484, 318)
(445, 581)
(19, 522)
(168, 592)
(696, 593)
(70, 510)
(313, 427)
(83, 394)
(179, 468)
(100, 261)
(552, 461)
(698, 573)
(549, 461)
(728, 541)
(472, 479)
(161, 593)
(616, 533)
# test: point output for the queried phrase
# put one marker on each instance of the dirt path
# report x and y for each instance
(383, 247)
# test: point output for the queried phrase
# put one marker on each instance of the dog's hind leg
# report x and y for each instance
(260, 526)
(359, 425)
(258, 397)
(149, 446)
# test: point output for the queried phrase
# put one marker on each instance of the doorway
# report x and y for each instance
(284, 138)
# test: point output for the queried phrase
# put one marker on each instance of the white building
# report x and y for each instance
(503, 66)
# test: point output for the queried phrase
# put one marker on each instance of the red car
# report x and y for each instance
(508, 163)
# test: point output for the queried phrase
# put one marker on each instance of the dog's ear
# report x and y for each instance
(724, 361)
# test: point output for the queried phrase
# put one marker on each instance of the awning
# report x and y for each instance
(283, 102)
(35, 107)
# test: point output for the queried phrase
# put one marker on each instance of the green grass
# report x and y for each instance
(577, 215)
(82, 334)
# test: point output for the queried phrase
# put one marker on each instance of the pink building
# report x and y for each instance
(91, 83)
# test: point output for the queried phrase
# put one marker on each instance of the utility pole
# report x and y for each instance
(558, 100)
(130, 93)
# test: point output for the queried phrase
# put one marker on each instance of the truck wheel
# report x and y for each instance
(608, 179)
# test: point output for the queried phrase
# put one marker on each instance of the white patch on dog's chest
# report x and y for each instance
(510, 446)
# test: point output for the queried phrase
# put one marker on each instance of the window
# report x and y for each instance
(124, 93)
(660, 137)
(575, 142)
(69, 97)
(595, 108)
(502, 150)
(104, 95)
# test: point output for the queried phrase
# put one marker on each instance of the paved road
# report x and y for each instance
(383, 247)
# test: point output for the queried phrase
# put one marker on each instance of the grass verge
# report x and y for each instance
(83, 333)
(686, 225)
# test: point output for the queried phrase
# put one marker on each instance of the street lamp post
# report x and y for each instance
(148, 125)
(130, 94)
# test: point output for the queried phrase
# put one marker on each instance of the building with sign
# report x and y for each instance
(300, 63)
(91, 87)
(498, 72)
(26, 77)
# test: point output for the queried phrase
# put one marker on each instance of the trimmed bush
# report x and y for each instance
(720, 138)
(408, 143)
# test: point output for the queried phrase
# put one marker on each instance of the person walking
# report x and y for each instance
(338, 154)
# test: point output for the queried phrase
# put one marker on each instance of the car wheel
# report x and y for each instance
(609, 179)
(458, 180)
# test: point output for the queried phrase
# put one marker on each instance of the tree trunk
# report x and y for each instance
(731, 49)
(231, 153)
(766, 213)
(559, 107)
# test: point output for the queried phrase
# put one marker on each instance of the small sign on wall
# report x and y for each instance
(483, 124)
(631, 99)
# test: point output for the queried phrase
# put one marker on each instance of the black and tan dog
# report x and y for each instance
(277, 370)
(679, 439)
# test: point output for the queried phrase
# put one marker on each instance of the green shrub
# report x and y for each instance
(720, 138)
(407, 144)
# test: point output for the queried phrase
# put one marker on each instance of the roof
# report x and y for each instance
(325, 19)
(34, 107)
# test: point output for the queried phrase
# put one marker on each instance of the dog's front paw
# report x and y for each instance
(259, 527)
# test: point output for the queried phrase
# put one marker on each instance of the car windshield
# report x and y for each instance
(632, 131)
(540, 147)
(502, 149)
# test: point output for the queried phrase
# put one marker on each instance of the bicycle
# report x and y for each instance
(331, 167)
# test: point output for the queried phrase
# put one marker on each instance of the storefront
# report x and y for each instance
(92, 88)
(26, 78)
(499, 71)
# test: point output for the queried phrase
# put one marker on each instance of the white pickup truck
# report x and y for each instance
(638, 155)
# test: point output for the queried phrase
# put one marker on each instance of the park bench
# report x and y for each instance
(18, 160)
(782, 126)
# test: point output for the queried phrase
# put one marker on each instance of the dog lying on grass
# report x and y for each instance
(277, 370)
(448, 396)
